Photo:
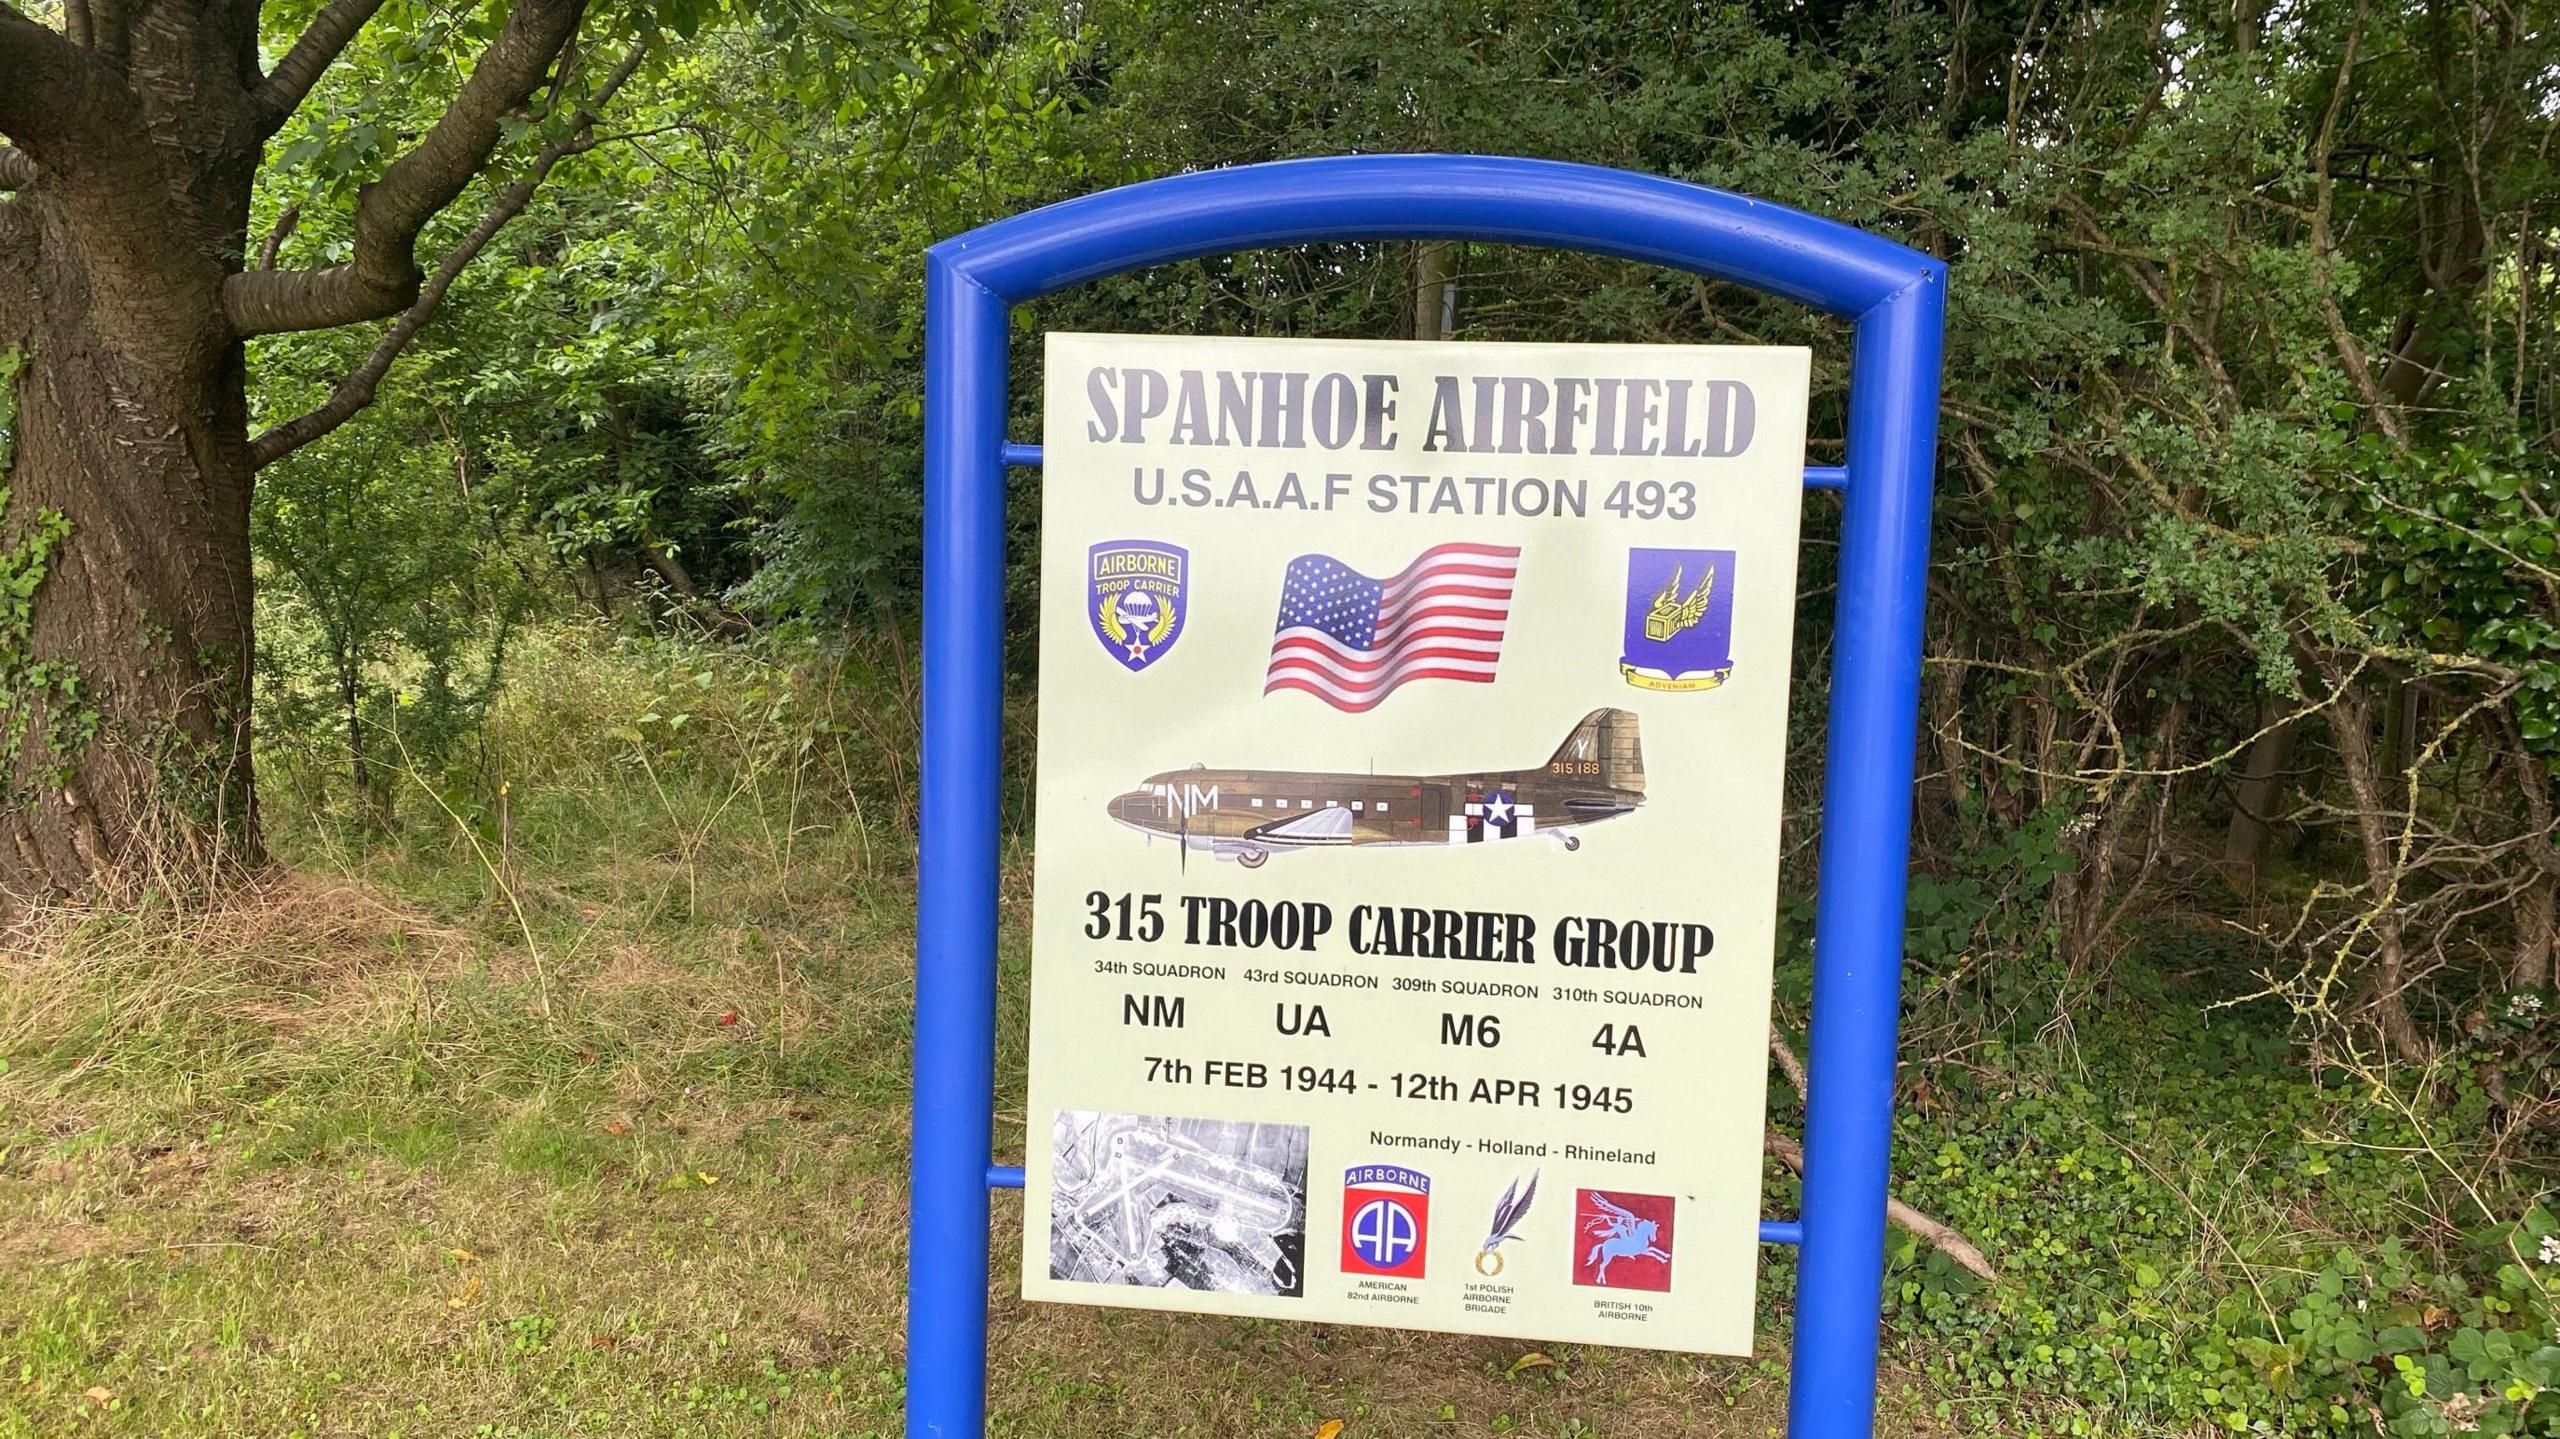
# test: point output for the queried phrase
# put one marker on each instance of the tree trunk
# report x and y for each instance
(2351, 726)
(133, 135)
(1435, 289)
(666, 565)
(2257, 794)
(124, 697)
(2537, 933)
(1945, 725)
(2538, 904)
(370, 807)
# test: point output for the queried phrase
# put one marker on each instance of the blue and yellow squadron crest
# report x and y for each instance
(1679, 619)
(1139, 591)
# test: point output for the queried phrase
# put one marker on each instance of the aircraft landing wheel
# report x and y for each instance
(1253, 858)
(1572, 842)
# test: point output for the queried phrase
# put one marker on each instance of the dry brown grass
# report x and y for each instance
(293, 951)
(593, 1122)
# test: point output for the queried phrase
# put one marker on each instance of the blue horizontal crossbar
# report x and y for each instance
(1816, 477)
(1772, 1231)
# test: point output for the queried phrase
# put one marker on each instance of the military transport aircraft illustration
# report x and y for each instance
(1248, 815)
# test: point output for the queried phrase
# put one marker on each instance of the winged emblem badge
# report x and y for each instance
(1679, 620)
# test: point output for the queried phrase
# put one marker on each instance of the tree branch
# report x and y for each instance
(2324, 190)
(383, 278)
(17, 168)
(282, 92)
(1943, 1238)
(57, 95)
(356, 390)
(277, 234)
(1939, 1236)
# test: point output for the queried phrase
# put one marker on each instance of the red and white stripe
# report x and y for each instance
(1441, 618)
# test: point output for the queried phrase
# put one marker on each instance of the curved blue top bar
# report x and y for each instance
(1769, 247)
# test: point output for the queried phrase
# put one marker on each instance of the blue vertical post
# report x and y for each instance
(954, 1106)
(1866, 851)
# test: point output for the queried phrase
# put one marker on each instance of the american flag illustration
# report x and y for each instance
(1350, 640)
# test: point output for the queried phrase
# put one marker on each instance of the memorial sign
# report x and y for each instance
(1412, 731)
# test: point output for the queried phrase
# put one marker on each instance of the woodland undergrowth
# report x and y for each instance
(640, 946)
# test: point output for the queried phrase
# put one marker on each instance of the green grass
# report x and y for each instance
(590, 1121)
(322, 1165)
(585, 1113)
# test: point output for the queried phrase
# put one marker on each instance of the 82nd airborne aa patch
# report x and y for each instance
(1386, 1220)
(1138, 593)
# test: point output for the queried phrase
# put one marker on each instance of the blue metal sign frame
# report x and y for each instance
(1896, 296)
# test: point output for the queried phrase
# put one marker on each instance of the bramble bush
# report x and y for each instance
(2194, 1232)
(2202, 1222)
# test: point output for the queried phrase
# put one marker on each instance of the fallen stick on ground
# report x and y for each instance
(1945, 1239)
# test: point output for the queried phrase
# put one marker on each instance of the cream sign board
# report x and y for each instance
(1412, 726)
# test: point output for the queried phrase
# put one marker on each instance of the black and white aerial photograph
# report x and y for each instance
(1211, 1204)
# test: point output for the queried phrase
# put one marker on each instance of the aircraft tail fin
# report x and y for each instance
(1603, 747)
